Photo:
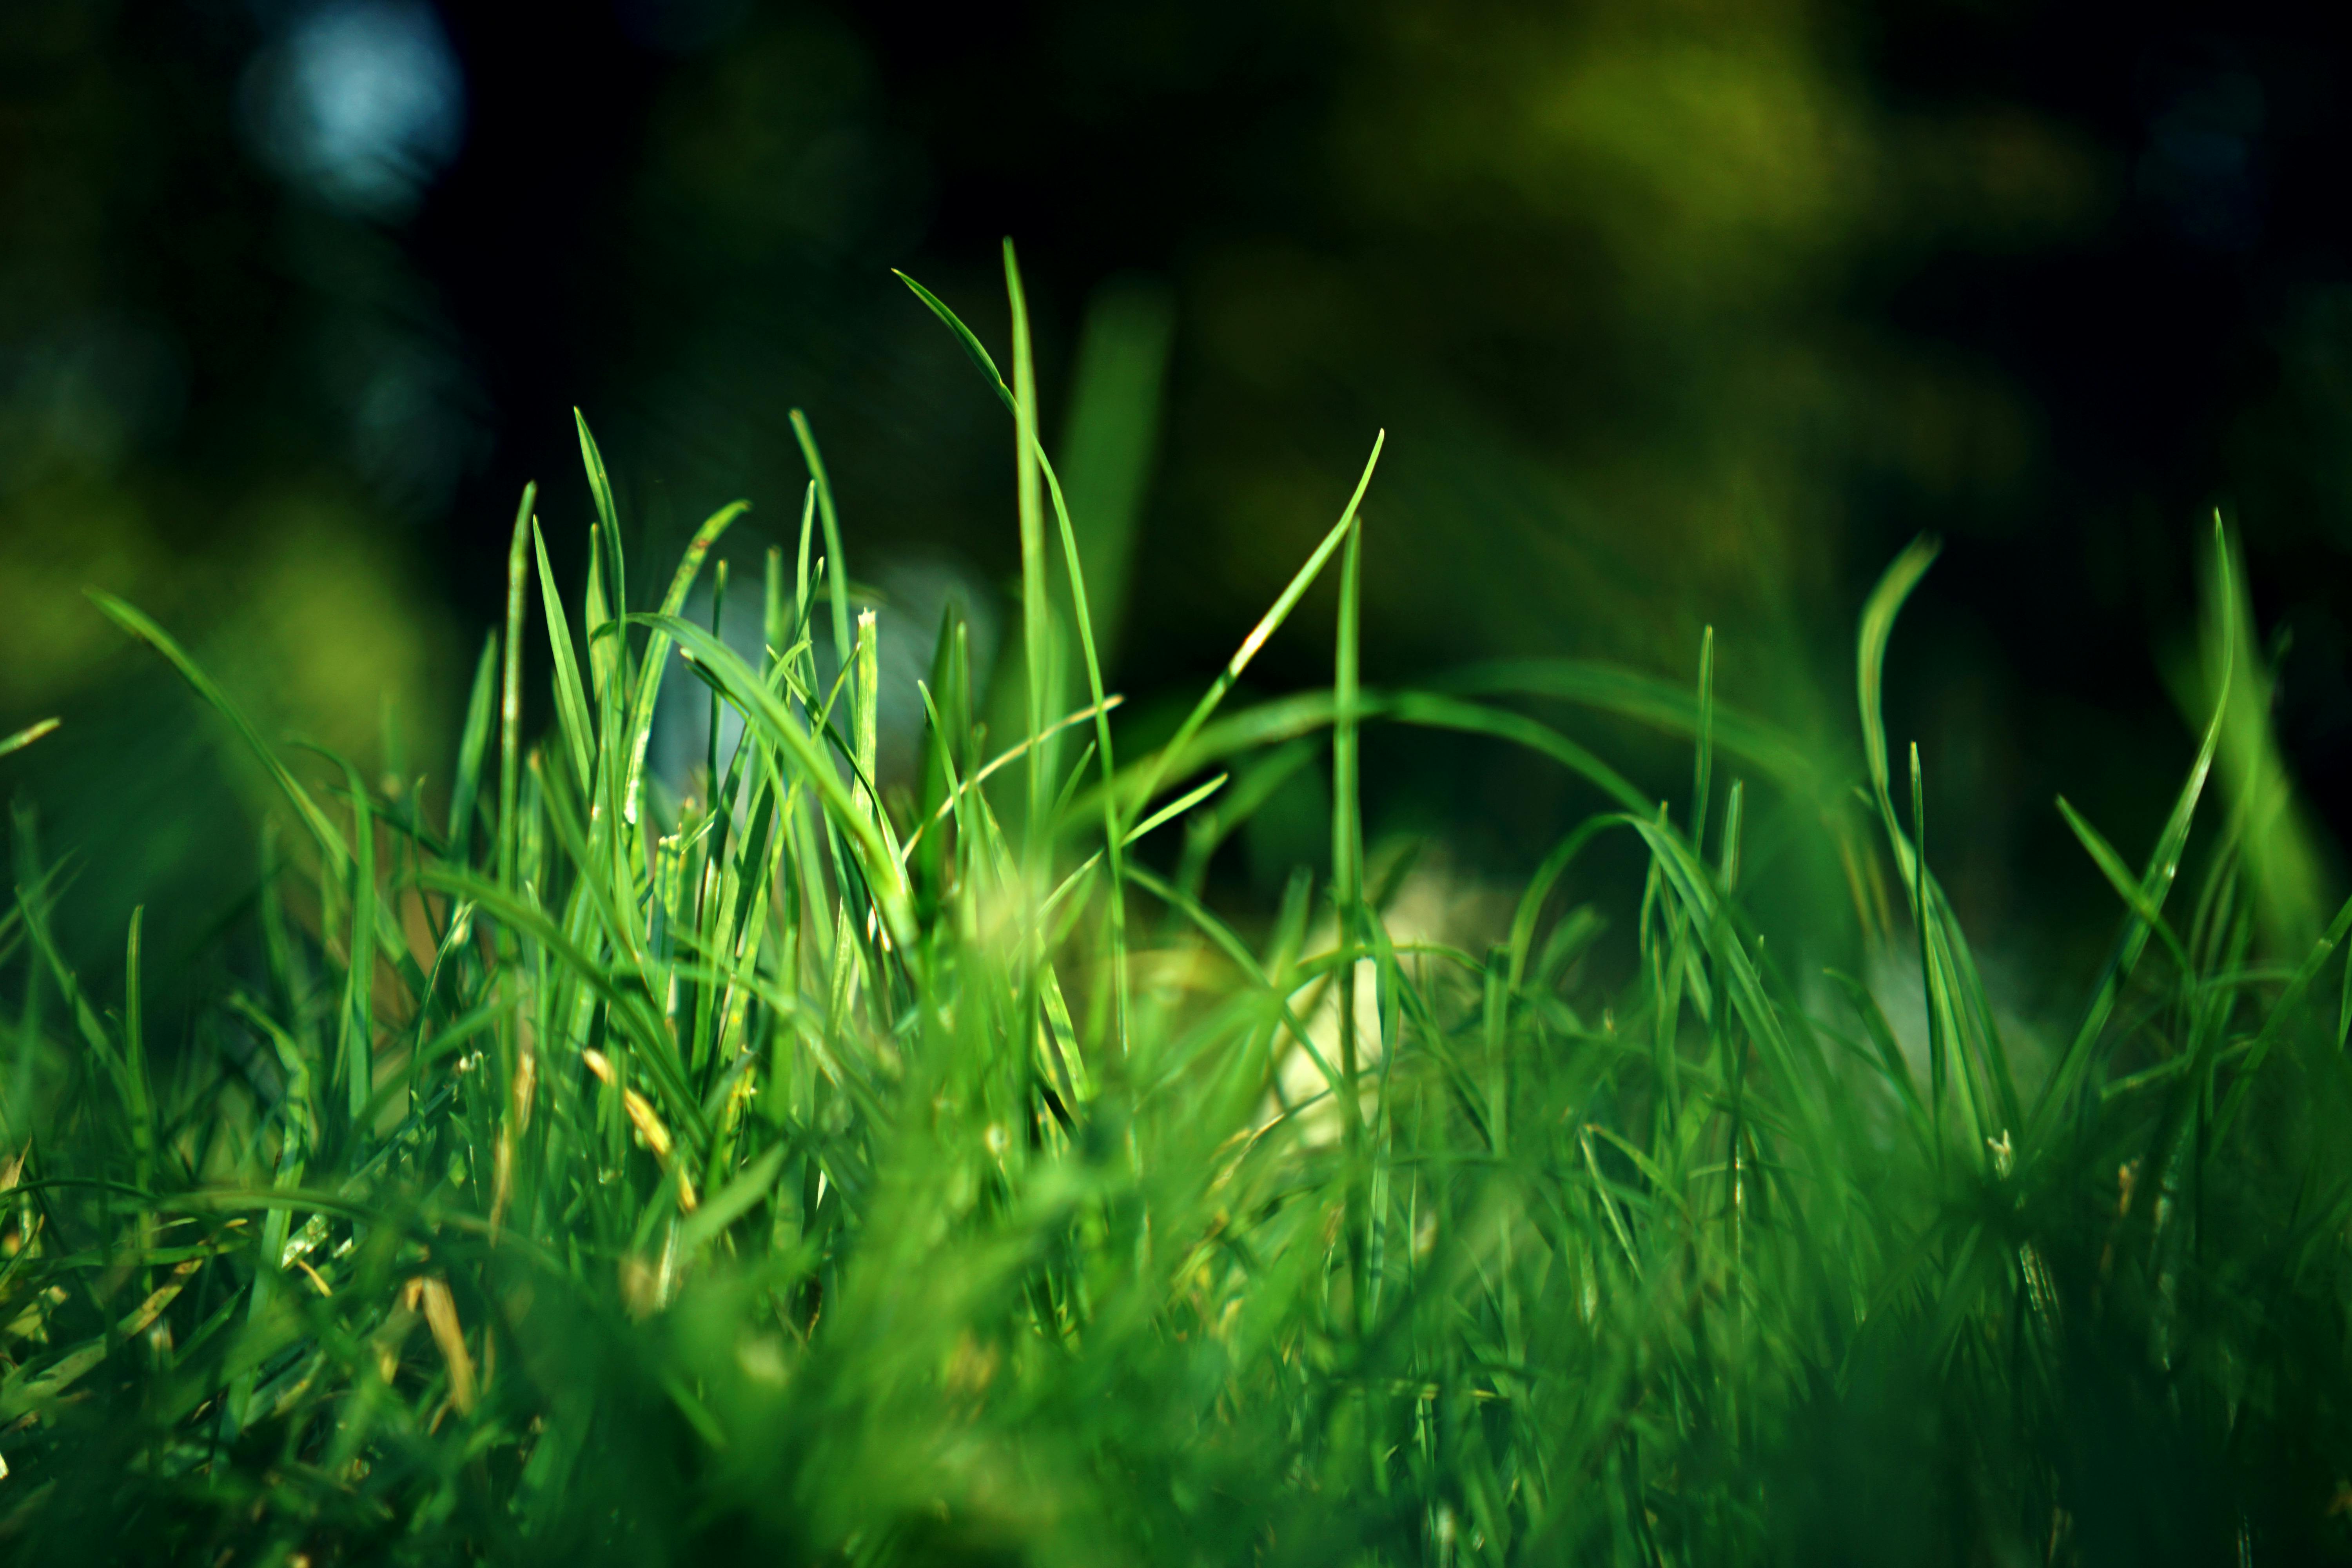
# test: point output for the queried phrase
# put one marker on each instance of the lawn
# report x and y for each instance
(784, 1167)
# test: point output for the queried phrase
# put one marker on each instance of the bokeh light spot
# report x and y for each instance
(361, 102)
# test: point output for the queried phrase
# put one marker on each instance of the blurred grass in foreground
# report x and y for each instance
(778, 1173)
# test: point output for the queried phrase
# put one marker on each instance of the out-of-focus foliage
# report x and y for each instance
(220, 400)
(1613, 251)
(199, 385)
(1672, 311)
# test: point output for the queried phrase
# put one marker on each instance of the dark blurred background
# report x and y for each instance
(1674, 313)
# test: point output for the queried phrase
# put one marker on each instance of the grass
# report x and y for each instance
(803, 1174)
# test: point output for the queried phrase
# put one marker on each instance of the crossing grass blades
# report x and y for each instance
(791, 1175)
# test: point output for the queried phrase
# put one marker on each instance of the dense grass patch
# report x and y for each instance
(788, 1174)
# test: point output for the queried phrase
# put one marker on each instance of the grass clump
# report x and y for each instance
(797, 1174)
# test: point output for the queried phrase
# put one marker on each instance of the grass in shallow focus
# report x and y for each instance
(785, 1176)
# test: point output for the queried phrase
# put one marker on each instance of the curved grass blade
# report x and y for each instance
(657, 661)
(1878, 616)
(330, 842)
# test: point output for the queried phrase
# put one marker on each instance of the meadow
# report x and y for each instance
(562, 1167)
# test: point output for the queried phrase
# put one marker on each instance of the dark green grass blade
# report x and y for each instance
(2127, 887)
(1430, 711)
(965, 339)
(330, 842)
(2284, 1014)
(1110, 442)
(356, 1056)
(1891, 1062)
(1878, 616)
(1538, 889)
(138, 1096)
(1287, 718)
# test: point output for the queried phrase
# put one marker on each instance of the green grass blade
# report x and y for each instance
(1538, 889)
(877, 859)
(837, 563)
(356, 1056)
(600, 483)
(596, 624)
(2284, 1014)
(1430, 711)
(472, 742)
(2127, 887)
(2065, 1081)
(1702, 765)
(27, 735)
(2281, 862)
(657, 661)
(306, 810)
(1156, 768)
(1110, 445)
(570, 700)
(1347, 822)
(1661, 704)
(1037, 609)
(965, 338)
(510, 689)
(1878, 614)
(1177, 807)
(139, 1104)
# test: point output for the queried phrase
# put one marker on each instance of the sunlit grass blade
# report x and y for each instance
(27, 735)
(656, 656)
(1177, 807)
(571, 699)
(1156, 768)
(836, 564)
